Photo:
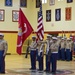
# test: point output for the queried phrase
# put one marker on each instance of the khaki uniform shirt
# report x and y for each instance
(3, 45)
(62, 44)
(58, 42)
(54, 48)
(72, 45)
(68, 45)
(33, 45)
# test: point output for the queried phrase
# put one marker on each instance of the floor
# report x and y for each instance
(19, 65)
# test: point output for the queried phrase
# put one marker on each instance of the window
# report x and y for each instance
(44, 1)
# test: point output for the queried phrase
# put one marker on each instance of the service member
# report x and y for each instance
(62, 49)
(58, 43)
(72, 46)
(54, 54)
(41, 47)
(48, 43)
(32, 49)
(3, 51)
(68, 49)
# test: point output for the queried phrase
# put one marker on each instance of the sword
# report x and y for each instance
(27, 50)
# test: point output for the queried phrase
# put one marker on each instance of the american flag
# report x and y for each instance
(40, 28)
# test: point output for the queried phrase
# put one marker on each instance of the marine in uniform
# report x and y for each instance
(68, 49)
(32, 49)
(65, 40)
(3, 51)
(48, 43)
(41, 47)
(54, 54)
(72, 46)
(58, 43)
(62, 49)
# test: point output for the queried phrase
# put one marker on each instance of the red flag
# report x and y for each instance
(40, 28)
(25, 30)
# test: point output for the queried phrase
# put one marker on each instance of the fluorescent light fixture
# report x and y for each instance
(44, 1)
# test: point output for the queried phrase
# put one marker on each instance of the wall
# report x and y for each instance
(59, 25)
(31, 14)
(7, 24)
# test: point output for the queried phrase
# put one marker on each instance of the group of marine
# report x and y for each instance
(55, 48)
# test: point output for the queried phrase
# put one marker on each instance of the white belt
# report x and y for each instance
(33, 49)
(41, 50)
(54, 52)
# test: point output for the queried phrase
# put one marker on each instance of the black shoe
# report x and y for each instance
(30, 68)
(53, 72)
(34, 69)
(2, 72)
(47, 71)
(40, 70)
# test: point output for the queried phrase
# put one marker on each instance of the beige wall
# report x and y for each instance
(31, 14)
(59, 25)
(7, 24)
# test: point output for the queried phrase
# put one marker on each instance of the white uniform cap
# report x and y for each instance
(62, 38)
(33, 36)
(1, 34)
(54, 38)
(65, 37)
(68, 38)
(50, 35)
(71, 37)
(58, 36)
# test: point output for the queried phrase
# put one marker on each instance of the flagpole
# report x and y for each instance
(62, 33)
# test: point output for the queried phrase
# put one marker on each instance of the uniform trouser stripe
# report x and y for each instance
(54, 61)
(40, 60)
(2, 62)
(47, 64)
(68, 55)
(33, 59)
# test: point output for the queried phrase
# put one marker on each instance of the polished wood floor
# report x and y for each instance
(19, 65)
